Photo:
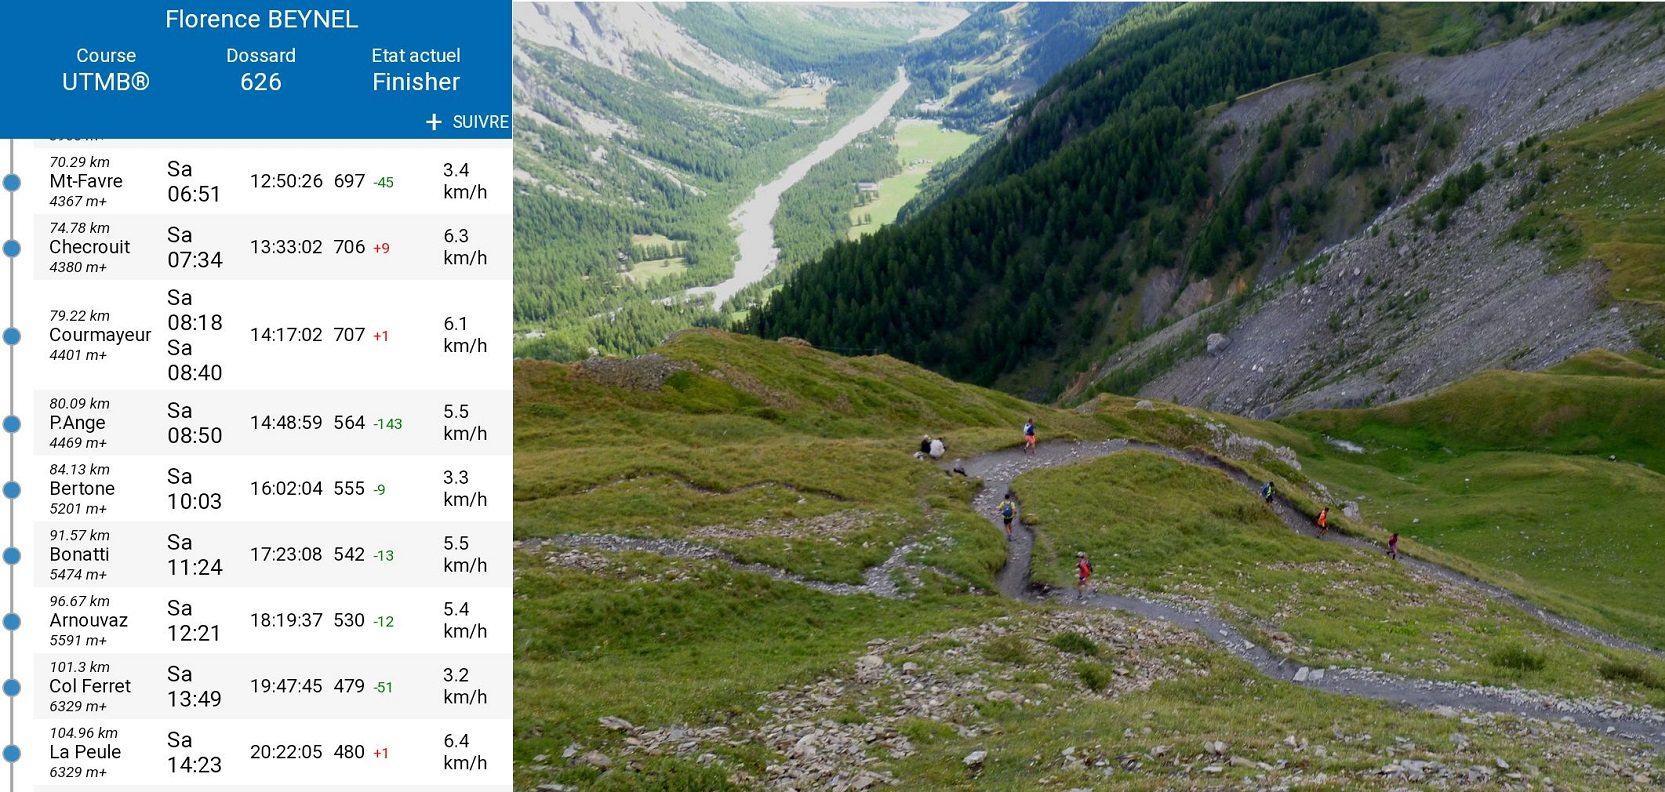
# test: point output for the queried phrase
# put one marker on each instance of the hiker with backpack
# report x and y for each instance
(1083, 573)
(1268, 492)
(1324, 521)
(1393, 546)
(1029, 436)
(1008, 511)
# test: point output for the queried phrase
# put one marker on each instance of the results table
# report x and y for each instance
(260, 400)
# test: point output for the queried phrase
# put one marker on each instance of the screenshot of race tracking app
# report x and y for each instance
(258, 396)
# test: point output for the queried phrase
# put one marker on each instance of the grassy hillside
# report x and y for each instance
(1566, 410)
(1454, 28)
(742, 432)
(1601, 200)
(1551, 481)
(1160, 525)
(800, 459)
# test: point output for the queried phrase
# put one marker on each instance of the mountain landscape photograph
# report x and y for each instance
(1088, 396)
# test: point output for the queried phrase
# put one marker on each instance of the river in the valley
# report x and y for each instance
(755, 218)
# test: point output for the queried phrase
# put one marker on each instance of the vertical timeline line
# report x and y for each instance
(11, 470)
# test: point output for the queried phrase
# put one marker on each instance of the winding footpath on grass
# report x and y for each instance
(998, 469)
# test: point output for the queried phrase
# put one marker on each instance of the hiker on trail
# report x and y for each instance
(1029, 436)
(1267, 492)
(1393, 546)
(937, 448)
(1083, 572)
(924, 447)
(1323, 521)
(1008, 511)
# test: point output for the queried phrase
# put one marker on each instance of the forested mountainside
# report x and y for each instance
(964, 83)
(973, 77)
(979, 72)
(992, 278)
(640, 127)
(1196, 155)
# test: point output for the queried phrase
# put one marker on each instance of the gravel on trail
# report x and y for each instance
(998, 469)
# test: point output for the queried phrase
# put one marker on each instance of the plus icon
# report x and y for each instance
(433, 122)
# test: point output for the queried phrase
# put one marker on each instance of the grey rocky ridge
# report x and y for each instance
(1395, 307)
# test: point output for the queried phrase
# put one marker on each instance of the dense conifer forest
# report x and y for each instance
(1100, 178)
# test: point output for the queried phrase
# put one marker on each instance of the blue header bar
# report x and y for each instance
(420, 69)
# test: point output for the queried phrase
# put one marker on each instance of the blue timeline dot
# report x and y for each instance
(12, 753)
(12, 621)
(11, 182)
(12, 687)
(11, 423)
(11, 336)
(12, 490)
(12, 555)
(11, 248)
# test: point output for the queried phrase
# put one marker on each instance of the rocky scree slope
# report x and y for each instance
(1402, 308)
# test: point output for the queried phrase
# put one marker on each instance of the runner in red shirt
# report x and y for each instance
(1083, 572)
